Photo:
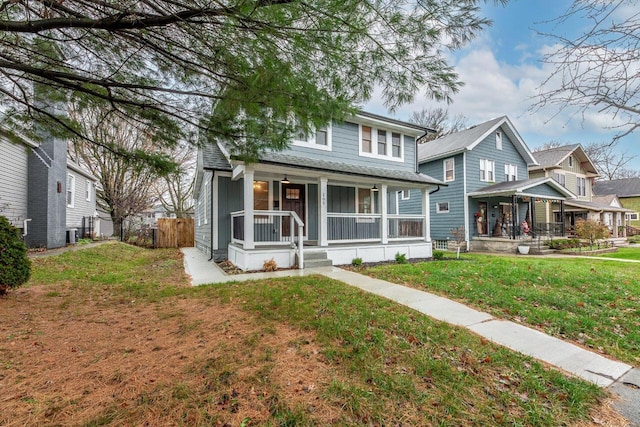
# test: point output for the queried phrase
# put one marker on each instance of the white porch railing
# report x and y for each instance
(353, 227)
(271, 228)
(406, 227)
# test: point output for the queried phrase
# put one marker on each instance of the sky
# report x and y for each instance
(501, 70)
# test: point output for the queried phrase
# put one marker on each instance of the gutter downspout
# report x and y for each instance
(213, 173)
(434, 191)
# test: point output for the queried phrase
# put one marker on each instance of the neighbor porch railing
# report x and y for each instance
(271, 228)
(406, 227)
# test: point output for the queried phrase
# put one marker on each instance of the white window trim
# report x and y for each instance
(310, 142)
(373, 204)
(558, 181)
(632, 216)
(570, 160)
(71, 188)
(444, 169)
(498, 140)
(402, 194)
(438, 210)
(507, 172)
(374, 144)
(89, 191)
(206, 202)
(493, 170)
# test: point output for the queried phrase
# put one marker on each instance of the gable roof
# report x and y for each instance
(552, 158)
(594, 206)
(523, 187)
(468, 139)
(628, 187)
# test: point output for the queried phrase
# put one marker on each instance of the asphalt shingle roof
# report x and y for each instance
(629, 187)
(346, 168)
(454, 142)
(553, 156)
(593, 206)
(214, 159)
(519, 187)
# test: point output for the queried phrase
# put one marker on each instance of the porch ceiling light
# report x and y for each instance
(375, 188)
(285, 180)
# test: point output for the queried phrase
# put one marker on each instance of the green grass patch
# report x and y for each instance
(378, 363)
(595, 304)
(393, 364)
(624, 253)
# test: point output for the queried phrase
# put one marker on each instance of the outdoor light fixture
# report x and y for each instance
(375, 188)
(285, 180)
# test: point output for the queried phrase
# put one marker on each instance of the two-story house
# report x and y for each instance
(489, 199)
(627, 191)
(332, 195)
(44, 194)
(572, 168)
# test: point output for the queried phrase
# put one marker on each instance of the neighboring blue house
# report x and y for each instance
(488, 193)
(42, 193)
(333, 196)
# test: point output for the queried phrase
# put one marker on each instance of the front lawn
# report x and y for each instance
(593, 303)
(113, 335)
(624, 253)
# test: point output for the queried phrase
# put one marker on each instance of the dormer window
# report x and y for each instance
(498, 140)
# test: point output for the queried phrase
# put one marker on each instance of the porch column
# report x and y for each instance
(514, 216)
(532, 203)
(322, 211)
(562, 219)
(248, 210)
(427, 214)
(384, 227)
(616, 221)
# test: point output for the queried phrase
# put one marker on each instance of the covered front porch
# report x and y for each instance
(290, 214)
(505, 215)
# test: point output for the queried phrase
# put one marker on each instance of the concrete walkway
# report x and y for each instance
(622, 378)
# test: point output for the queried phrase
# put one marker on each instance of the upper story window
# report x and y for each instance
(510, 172)
(71, 190)
(487, 170)
(89, 191)
(582, 186)
(381, 143)
(498, 140)
(570, 161)
(560, 178)
(319, 138)
(396, 144)
(405, 194)
(449, 169)
(365, 140)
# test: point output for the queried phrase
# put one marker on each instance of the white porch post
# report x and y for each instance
(384, 227)
(427, 214)
(616, 222)
(322, 211)
(248, 210)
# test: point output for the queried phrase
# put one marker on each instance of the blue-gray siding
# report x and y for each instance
(345, 148)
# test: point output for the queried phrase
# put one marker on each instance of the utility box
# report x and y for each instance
(72, 236)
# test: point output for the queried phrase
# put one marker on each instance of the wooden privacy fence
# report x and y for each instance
(175, 233)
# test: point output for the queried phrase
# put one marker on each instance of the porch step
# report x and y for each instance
(541, 250)
(316, 259)
(312, 263)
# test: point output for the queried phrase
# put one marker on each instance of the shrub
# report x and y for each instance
(634, 239)
(564, 243)
(15, 266)
(270, 265)
(438, 255)
(401, 258)
(356, 262)
(591, 231)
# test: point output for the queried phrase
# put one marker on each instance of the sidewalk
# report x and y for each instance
(621, 378)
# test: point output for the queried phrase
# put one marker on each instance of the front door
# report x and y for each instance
(293, 199)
